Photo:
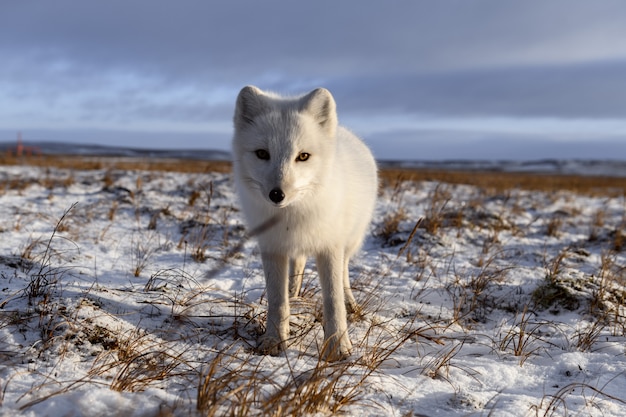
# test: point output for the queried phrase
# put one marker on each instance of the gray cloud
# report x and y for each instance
(127, 65)
(325, 38)
(596, 90)
(482, 146)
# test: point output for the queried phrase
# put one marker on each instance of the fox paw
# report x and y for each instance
(354, 310)
(336, 349)
(269, 345)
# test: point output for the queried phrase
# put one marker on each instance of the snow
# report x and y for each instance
(121, 291)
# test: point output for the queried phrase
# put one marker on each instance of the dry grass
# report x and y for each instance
(231, 379)
(501, 182)
(523, 337)
(556, 404)
(390, 226)
(118, 163)
(497, 182)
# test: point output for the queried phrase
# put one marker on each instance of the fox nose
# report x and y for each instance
(277, 195)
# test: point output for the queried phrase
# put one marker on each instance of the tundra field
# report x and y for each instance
(130, 288)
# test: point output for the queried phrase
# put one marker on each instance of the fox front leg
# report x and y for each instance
(273, 341)
(337, 345)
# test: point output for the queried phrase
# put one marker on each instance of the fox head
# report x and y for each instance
(283, 147)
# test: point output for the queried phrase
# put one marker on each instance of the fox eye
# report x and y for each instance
(262, 154)
(303, 157)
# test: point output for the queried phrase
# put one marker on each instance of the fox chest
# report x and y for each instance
(299, 235)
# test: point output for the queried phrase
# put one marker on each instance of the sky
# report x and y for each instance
(417, 80)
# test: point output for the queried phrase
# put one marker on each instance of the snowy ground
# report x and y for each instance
(137, 293)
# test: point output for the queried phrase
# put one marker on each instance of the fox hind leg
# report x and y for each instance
(296, 272)
(352, 307)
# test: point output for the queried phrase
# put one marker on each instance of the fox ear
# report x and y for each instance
(249, 105)
(320, 104)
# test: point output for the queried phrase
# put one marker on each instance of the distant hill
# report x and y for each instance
(59, 148)
(612, 168)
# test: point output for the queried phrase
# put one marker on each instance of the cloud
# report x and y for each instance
(158, 65)
(573, 91)
(239, 38)
(482, 146)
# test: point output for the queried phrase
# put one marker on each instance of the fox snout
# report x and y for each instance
(276, 195)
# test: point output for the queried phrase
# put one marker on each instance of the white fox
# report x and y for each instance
(307, 188)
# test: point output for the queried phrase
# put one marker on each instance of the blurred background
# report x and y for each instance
(418, 80)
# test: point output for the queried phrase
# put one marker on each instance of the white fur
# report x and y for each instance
(327, 206)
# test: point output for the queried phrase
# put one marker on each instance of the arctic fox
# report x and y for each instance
(307, 188)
